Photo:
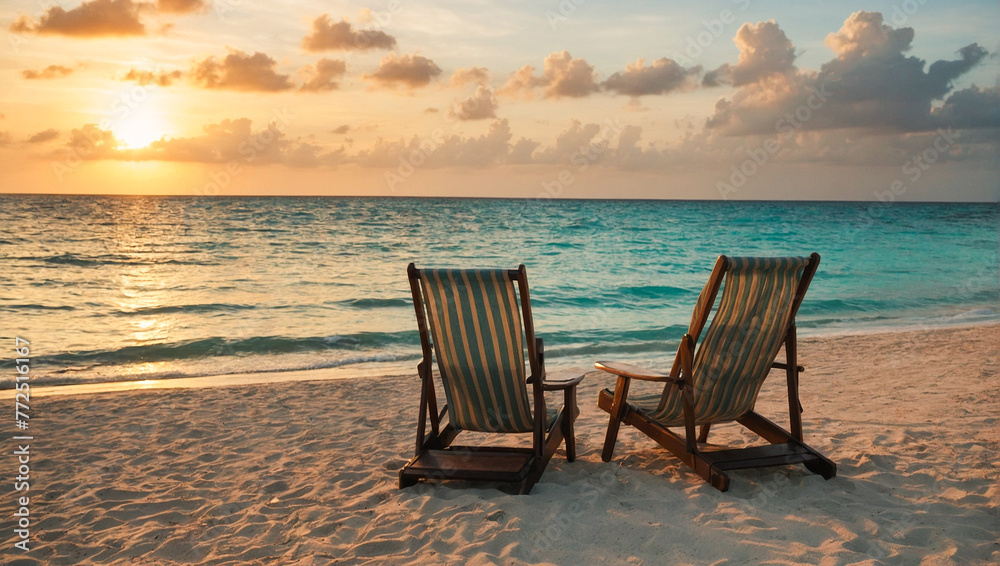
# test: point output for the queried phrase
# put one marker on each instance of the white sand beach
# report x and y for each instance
(306, 473)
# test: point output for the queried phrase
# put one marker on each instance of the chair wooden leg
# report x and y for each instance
(822, 466)
(617, 412)
(570, 415)
(678, 446)
(703, 433)
(405, 481)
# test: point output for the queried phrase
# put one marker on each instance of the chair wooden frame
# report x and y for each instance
(786, 446)
(436, 457)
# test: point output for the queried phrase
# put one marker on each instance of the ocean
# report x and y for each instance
(133, 288)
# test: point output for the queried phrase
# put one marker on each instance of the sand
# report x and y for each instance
(306, 473)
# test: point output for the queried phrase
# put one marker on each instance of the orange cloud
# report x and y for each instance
(765, 50)
(91, 19)
(439, 150)
(413, 71)
(149, 77)
(522, 82)
(240, 71)
(180, 6)
(663, 76)
(341, 36)
(227, 142)
(479, 106)
(325, 74)
(562, 75)
(474, 75)
(44, 136)
(50, 72)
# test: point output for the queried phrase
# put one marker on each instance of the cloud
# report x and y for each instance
(44, 136)
(342, 129)
(413, 71)
(231, 140)
(240, 71)
(523, 151)
(864, 35)
(569, 142)
(342, 37)
(180, 6)
(473, 75)
(91, 19)
(765, 50)
(522, 82)
(91, 142)
(224, 143)
(971, 108)
(562, 75)
(50, 72)
(145, 78)
(869, 85)
(220, 143)
(325, 75)
(661, 77)
(5, 138)
(480, 106)
(566, 76)
(439, 150)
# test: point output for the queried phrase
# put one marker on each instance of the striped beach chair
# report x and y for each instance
(719, 381)
(470, 322)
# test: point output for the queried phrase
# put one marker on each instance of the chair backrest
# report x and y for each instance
(476, 331)
(760, 297)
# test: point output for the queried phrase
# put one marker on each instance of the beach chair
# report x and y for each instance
(719, 381)
(472, 320)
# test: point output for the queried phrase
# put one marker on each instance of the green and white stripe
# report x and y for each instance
(476, 329)
(734, 358)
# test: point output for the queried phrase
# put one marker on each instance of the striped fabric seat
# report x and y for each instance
(475, 325)
(744, 337)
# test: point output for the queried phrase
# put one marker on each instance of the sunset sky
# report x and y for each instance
(735, 99)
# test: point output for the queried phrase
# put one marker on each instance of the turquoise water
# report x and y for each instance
(120, 288)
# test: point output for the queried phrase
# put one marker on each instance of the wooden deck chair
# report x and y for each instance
(472, 320)
(720, 381)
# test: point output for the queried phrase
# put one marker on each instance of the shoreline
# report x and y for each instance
(376, 369)
(305, 473)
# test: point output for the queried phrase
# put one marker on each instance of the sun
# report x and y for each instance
(141, 127)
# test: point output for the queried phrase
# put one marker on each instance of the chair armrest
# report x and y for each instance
(783, 365)
(562, 380)
(636, 372)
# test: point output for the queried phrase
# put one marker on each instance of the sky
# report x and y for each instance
(734, 99)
